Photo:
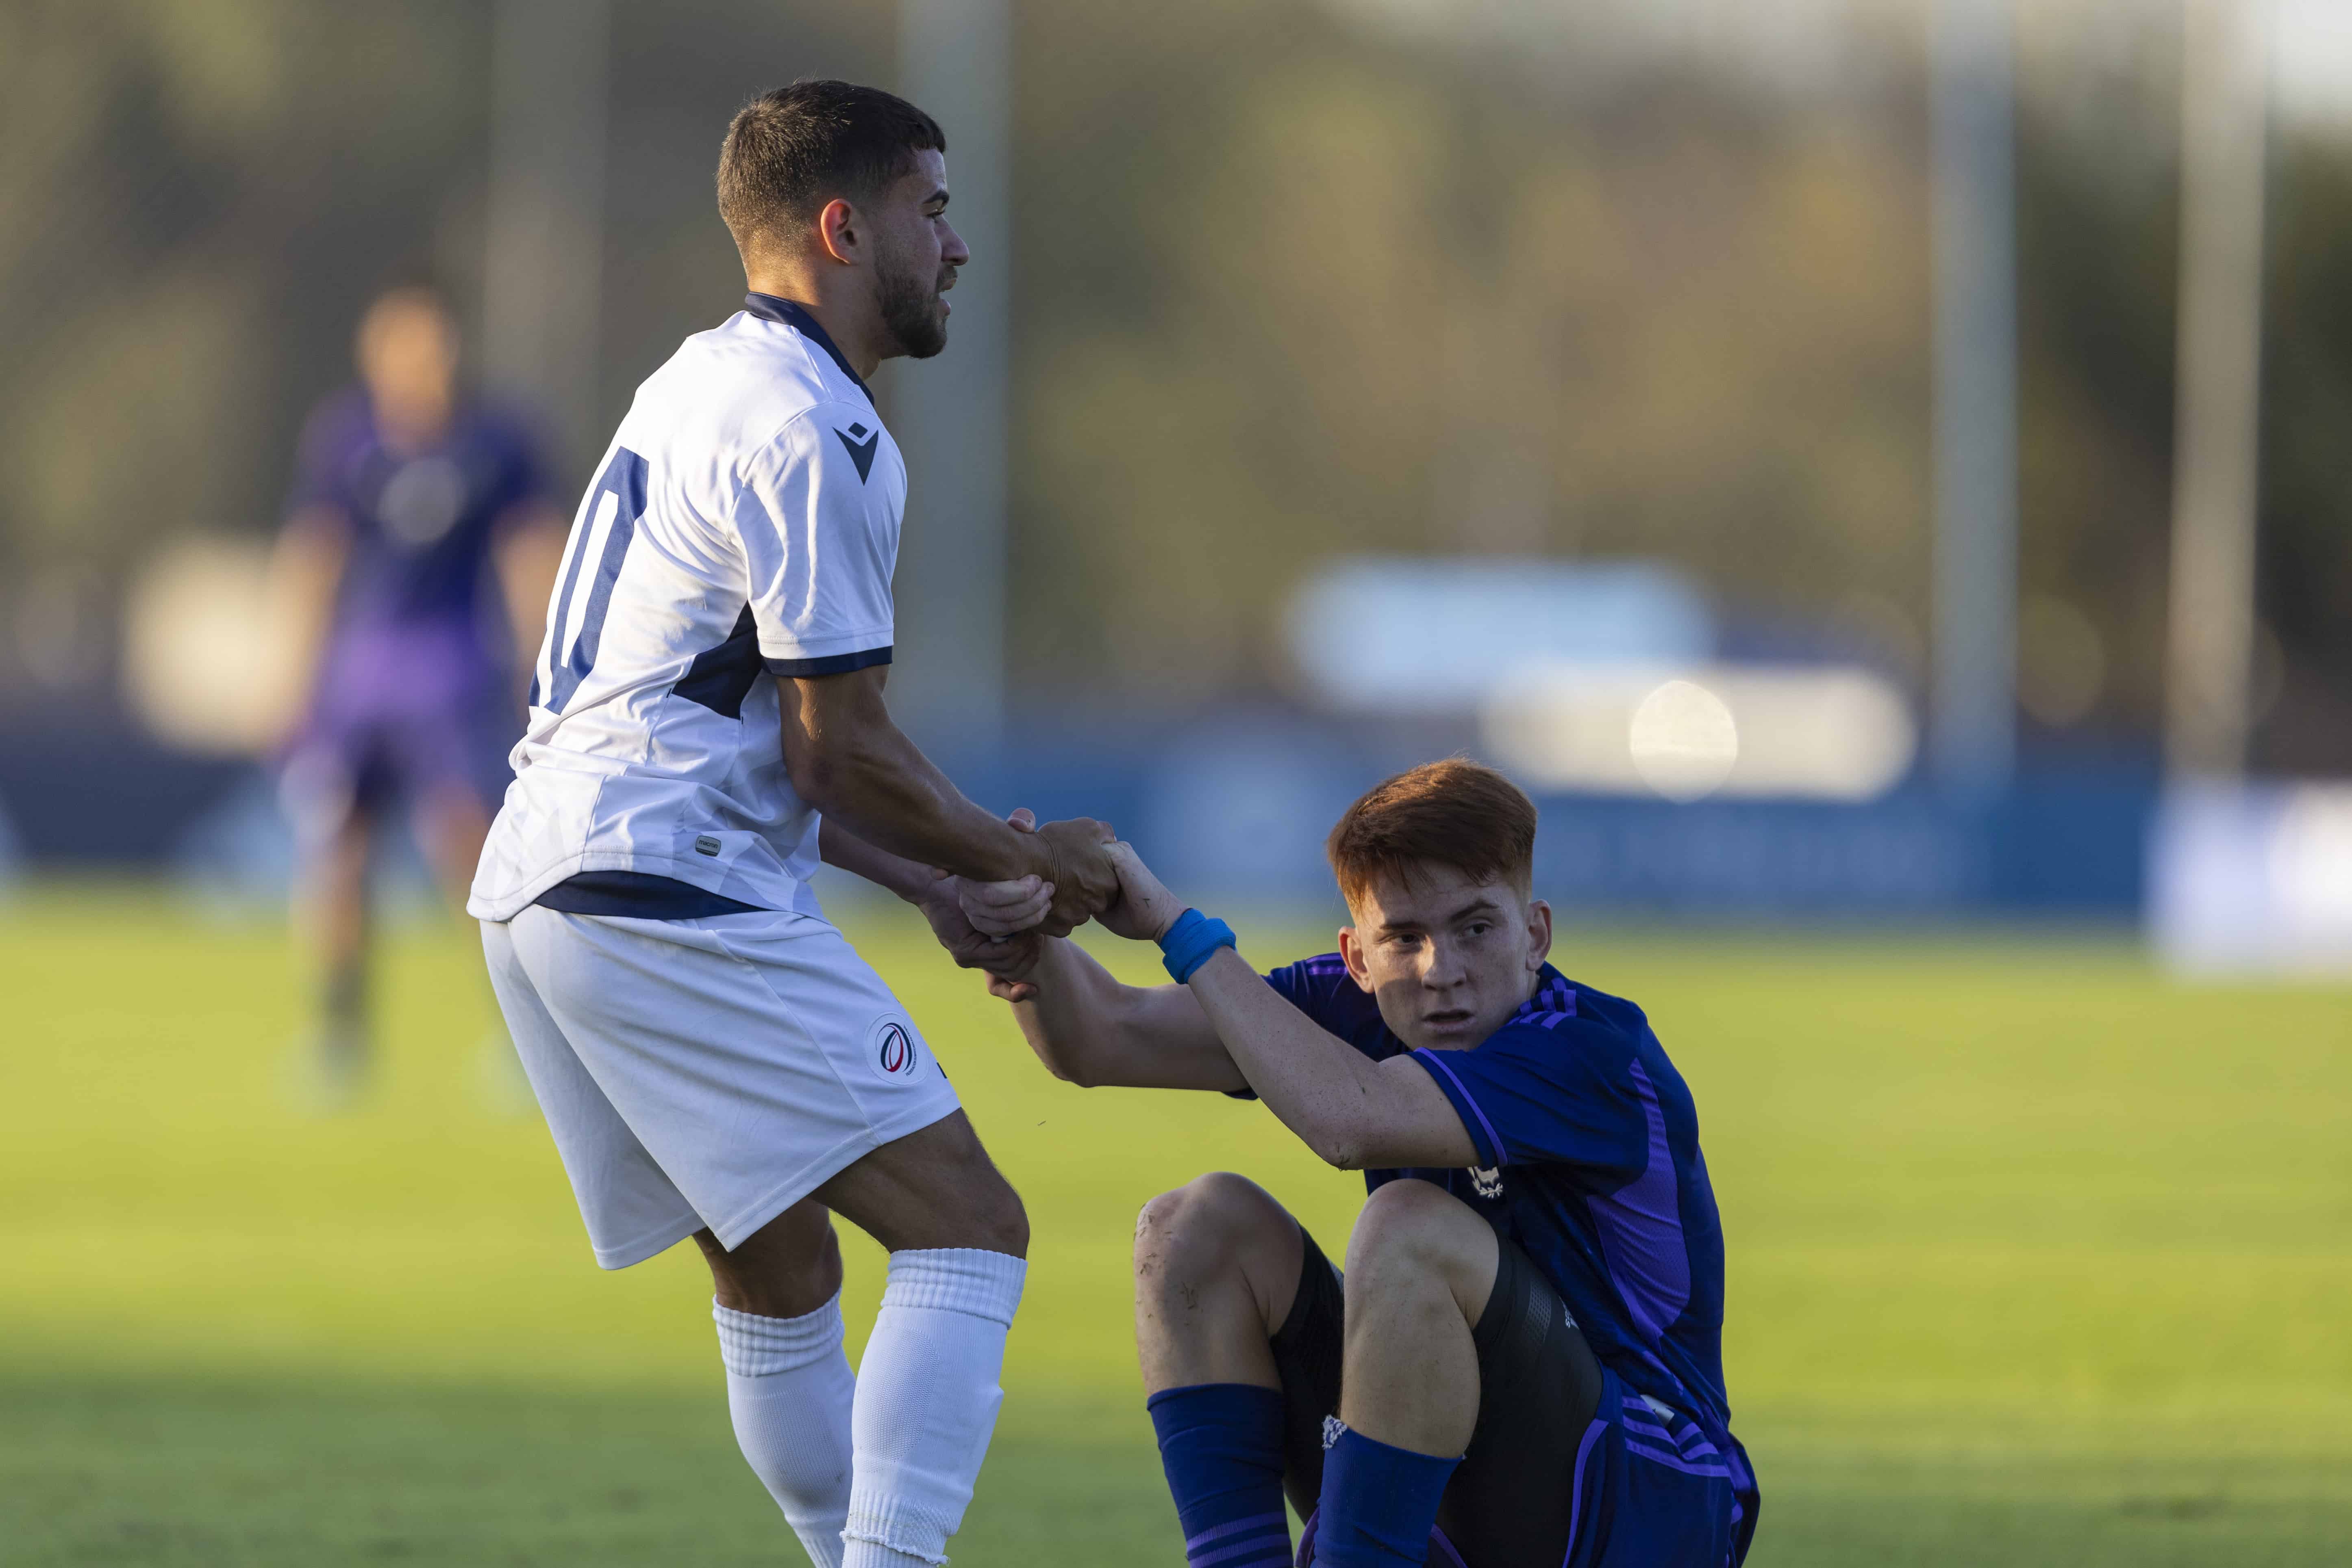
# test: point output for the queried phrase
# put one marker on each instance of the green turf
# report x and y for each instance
(2035, 1258)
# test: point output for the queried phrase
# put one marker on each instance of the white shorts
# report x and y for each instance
(705, 1072)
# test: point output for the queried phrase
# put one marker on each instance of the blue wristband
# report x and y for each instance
(1189, 942)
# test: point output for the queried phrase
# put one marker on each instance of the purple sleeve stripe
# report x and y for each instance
(1675, 1462)
(1693, 1443)
(1576, 1488)
(1271, 1546)
(1232, 1527)
(1494, 1149)
(1642, 1415)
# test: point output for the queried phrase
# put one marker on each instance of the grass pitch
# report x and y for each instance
(2035, 1258)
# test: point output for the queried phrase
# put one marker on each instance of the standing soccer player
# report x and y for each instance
(417, 556)
(707, 722)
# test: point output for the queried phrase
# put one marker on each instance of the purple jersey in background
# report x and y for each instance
(422, 528)
(414, 684)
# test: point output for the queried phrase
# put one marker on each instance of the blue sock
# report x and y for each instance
(1379, 1504)
(1221, 1444)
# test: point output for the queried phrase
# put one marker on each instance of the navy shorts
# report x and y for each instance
(1653, 1491)
(1566, 1468)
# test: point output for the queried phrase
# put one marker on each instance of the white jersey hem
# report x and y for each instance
(790, 893)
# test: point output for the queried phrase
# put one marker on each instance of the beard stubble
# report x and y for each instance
(910, 311)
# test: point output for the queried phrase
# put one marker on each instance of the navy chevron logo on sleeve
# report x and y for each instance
(861, 452)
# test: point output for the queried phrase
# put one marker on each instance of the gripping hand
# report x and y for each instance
(1085, 882)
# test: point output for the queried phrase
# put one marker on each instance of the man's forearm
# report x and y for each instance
(1070, 1011)
(1314, 1082)
(1088, 1028)
(841, 847)
(848, 759)
(1352, 1112)
(886, 791)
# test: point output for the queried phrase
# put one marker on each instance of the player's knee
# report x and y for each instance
(1200, 1226)
(1413, 1227)
(935, 1189)
(1004, 1221)
(985, 1213)
(786, 1269)
(1161, 1228)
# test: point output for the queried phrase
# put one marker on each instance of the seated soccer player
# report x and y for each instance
(1528, 1371)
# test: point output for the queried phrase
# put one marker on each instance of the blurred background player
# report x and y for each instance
(415, 560)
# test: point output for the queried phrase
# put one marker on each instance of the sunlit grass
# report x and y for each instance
(2035, 1257)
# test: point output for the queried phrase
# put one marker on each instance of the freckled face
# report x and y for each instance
(1447, 960)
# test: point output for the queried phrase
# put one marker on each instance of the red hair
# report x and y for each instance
(1454, 813)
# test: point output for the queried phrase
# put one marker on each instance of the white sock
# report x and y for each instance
(926, 1401)
(790, 1389)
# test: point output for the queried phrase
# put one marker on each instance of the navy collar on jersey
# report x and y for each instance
(793, 314)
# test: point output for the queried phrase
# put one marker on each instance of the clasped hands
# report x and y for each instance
(1000, 927)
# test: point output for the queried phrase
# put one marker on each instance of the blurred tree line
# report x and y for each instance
(1286, 284)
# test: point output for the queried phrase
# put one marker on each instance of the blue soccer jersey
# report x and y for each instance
(1588, 1158)
(413, 692)
(420, 527)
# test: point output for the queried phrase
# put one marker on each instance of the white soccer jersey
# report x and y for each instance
(745, 519)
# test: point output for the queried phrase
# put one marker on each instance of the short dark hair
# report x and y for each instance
(1454, 813)
(792, 149)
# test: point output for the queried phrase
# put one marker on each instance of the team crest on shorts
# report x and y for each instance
(1489, 1183)
(893, 1049)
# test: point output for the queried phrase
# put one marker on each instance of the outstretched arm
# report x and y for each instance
(1354, 1112)
(1089, 1029)
(911, 880)
(941, 898)
(848, 759)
